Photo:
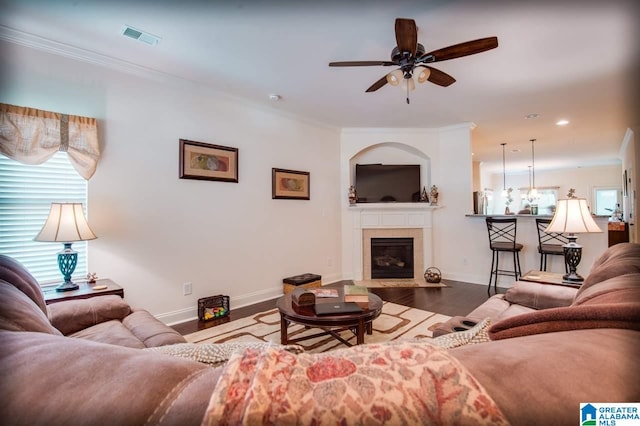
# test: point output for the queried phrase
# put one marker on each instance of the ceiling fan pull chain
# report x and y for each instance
(407, 92)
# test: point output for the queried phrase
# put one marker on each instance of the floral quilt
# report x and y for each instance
(400, 383)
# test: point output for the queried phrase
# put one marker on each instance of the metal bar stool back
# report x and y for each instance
(549, 243)
(502, 238)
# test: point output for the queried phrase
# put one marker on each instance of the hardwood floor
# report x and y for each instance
(459, 298)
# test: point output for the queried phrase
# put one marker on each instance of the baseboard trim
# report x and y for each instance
(191, 314)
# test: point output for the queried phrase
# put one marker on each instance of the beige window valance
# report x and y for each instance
(32, 136)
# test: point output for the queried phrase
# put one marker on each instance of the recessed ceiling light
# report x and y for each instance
(531, 116)
(515, 150)
(275, 97)
(562, 122)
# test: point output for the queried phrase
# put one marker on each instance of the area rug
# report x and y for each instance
(399, 283)
(395, 322)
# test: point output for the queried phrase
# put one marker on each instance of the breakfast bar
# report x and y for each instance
(527, 235)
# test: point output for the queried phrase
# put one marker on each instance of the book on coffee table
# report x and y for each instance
(325, 292)
(356, 293)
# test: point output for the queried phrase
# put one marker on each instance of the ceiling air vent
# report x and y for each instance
(139, 35)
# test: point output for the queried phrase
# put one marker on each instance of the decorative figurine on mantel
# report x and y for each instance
(572, 193)
(352, 195)
(434, 195)
(424, 198)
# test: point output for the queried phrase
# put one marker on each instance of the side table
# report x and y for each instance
(545, 277)
(85, 291)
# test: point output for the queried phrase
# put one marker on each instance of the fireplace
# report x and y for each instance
(392, 258)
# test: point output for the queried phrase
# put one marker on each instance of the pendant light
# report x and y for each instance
(504, 173)
(506, 193)
(533, 192)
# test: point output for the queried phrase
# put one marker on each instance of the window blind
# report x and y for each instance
(26, 194)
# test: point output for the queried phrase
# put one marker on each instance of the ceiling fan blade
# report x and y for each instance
(360, 63)
(406, 35)
(440, 78)
(378, 84)
(460, 50)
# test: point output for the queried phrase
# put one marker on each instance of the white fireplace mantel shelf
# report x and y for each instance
(393, 206)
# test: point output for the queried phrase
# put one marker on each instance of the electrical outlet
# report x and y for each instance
(186, 289)
(465, 261)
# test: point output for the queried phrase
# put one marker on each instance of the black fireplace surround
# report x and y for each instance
(391, 258)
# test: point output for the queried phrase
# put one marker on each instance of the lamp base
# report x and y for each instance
(67, 286)
(572, 256)
(573, 277)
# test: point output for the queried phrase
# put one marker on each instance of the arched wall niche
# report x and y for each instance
(392, 153)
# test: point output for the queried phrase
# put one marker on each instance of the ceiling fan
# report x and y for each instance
(410, 57)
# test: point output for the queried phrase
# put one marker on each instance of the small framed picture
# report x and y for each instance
(205, 161)
(289, 184)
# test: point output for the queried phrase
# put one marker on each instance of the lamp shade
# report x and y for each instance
(572, 216)
(66, 223)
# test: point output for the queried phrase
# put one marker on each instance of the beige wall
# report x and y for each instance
(155, 231)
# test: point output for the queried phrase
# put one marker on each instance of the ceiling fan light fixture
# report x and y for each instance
(423, 74)
(395, 77)
(408, 82)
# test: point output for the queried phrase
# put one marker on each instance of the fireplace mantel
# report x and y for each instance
(393, 206)
(393, 220)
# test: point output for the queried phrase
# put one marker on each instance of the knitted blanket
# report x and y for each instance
(398, 383)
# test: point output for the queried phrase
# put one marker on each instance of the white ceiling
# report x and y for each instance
(560, 59)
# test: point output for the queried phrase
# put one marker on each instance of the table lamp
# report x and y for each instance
(572, 217)
(66, 223)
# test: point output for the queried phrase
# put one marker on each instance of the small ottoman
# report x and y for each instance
(307, 280)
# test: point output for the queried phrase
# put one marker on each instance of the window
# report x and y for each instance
(26, 193)
(605, 200)
(547, 199)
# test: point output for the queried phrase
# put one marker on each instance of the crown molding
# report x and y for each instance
(33, 41)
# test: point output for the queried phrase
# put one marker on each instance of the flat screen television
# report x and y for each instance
(387, 183)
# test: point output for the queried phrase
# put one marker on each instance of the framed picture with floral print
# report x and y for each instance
(289, 184)
(204, 161)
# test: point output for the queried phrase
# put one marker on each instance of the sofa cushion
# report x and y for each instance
(620, 289)
(149, 330)
(540, 296)
(497, 308)
(74, 315)
(56, 380)
(619, 259)
(19, 313)
(14, 273)
(492, 308)
(542, 379)
(112, 332)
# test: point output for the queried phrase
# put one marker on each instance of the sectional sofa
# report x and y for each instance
(550, 349)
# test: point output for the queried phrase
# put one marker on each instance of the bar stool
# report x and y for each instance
(550, 243)
(502, 238)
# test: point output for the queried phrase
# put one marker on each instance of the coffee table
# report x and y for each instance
(358, 322)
